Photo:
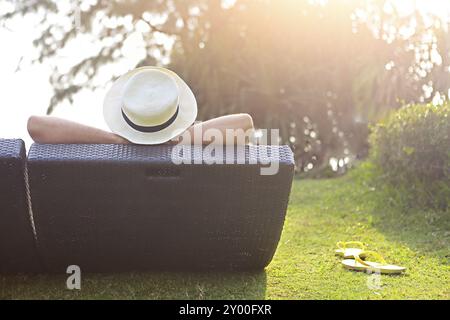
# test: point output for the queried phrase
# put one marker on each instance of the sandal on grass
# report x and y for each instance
(382, 267)
(349, 249)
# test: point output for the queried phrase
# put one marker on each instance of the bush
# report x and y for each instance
(411, 150)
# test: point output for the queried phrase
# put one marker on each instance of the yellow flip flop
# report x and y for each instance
(382, 267)
(347, 250)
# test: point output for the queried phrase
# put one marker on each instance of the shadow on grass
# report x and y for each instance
(423, 230)
(138, 286)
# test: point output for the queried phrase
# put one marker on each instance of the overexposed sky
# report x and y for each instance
(27, 91)
(23, 93)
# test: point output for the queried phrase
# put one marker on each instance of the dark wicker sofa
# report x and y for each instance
(125, 207)
(17, 243)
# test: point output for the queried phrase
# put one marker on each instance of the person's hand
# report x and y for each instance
(240, 124)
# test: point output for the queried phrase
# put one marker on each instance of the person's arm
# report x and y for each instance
(239, 125)
(52, 130)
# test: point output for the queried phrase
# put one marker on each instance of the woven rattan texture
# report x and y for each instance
(126, 207)
(17, 245)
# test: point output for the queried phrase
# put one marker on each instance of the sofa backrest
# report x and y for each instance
(128, 207)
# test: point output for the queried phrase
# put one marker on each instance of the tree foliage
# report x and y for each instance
(320, 73)
(411, 150)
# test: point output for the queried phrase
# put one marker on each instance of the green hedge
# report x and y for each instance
(411, 149)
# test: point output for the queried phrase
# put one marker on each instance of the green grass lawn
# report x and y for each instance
(321, 212)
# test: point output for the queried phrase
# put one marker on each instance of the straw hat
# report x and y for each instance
(149, 105)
